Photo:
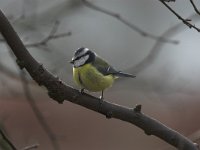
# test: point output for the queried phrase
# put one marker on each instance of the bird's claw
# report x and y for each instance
(101, 98)
(81, 91)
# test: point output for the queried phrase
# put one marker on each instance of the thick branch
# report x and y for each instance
(59, 91)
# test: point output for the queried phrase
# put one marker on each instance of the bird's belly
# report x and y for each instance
(89, 78)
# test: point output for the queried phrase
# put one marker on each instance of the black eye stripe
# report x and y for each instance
(81, 56)
(87, 53)
(79, 51)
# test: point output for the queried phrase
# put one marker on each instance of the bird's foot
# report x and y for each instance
(81, 91)
(101, 98)
(100, 103)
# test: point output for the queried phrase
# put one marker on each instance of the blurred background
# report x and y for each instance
(165, 61)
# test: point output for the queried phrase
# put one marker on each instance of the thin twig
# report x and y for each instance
(169, 0)
(154, 52)
(31, 147)
(60, 35)
(37, 112)
(127, 22)
(7, 71)
(185, 21)
(46, 40)
(51, 35)
(7, 140)
(194, 6)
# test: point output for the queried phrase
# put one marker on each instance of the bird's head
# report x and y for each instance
(82, 56)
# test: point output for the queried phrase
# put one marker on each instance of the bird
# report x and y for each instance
(93, 73)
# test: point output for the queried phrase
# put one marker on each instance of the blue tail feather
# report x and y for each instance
(122, 74)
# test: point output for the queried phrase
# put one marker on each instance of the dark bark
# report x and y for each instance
(59, 92)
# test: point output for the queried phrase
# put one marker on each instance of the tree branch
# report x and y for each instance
(38, 113)
(31, 147)
(169, 0)
(127, 23)
(185, 21)
(59, 91)
(52, 35)
(6, 142)
(194, 6)
(154, 52)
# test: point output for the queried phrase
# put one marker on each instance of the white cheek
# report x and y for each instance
(81, 61)
(78, 63)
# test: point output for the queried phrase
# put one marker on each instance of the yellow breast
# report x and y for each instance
(89, 78)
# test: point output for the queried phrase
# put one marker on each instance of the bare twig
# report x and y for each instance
(36, 110)
(31, 147)
(194, 6)
(154, 52)
(7, 141)
(185, 21)
(38, 113)
(127, 23)
(157, 47)
(59, 91)
(7, 71)
(47, 39)
(51, 35)
(169, 0)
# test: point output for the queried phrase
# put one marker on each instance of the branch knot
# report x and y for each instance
(38, 74)
(138, 108)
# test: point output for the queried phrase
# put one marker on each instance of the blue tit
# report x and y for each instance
(92, 73)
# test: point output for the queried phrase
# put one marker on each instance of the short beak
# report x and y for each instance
(71, 62)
